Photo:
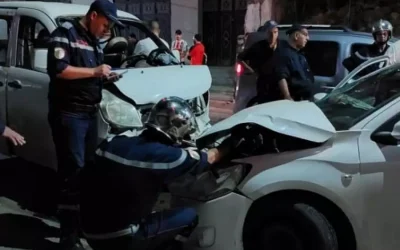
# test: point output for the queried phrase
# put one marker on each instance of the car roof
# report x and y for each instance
(316, 32)
(54, 10)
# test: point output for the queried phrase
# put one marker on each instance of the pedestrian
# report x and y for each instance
(197, 51)
(259, 58)
(382, 32)
(292, 73)
(132, 41)
(179, 45)
(14, 137)
(121, 189)
(77, 74)
(147, 45)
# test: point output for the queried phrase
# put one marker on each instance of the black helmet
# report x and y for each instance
(174, 118)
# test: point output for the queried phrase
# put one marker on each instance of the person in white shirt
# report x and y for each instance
(179, 46)
(145, 46)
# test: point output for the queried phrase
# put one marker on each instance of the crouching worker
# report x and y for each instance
(120, 190)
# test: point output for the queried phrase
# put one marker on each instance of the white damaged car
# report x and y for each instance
(24, 81)
(308, 176)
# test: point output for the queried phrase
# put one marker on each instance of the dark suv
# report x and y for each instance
(327, 48)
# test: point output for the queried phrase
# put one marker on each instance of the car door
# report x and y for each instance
(28, 87)
(380, 173)
(7, 42)
(356, 73)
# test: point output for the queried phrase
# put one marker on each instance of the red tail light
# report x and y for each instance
(239, 69)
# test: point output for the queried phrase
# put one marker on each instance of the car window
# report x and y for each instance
(139, 29)
(32, 35)
(347, 105)
(356, 47)
(322, 57)
(5, 23)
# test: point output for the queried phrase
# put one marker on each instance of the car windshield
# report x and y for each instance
(347, 105)
(132, 26)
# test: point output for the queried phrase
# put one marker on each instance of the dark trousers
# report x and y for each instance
(157, 232)
(75, 139)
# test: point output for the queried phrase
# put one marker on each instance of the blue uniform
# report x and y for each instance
(72, 103)
(72, 115)
(72, 45)
(292, 65)
(123, 186)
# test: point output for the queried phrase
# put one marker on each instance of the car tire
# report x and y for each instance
(295, 227)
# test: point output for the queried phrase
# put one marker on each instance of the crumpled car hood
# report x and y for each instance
(149, 85)
(303, 120)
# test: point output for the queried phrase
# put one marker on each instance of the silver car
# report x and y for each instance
(312, 176)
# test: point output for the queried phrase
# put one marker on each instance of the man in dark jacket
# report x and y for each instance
(292, 72)
(259, 57)
(382, 32)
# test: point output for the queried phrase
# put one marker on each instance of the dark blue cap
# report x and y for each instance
(108, 9)
(295, 27)
(268, 25)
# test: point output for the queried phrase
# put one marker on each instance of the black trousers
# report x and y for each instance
(75, 138)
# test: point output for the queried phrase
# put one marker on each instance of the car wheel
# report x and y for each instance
(295, 227)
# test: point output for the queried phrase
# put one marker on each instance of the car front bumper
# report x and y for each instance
(220, 222)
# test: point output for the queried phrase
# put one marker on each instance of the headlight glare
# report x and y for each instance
(119, 113)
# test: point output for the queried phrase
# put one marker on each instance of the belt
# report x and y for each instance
(132, 229)
(77, 108)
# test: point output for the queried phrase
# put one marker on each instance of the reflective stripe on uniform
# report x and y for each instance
(128, 231)
(142, 164)
(73, 44)
(60, 40)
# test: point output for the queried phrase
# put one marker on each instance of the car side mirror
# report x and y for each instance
(388, 137)
(385, 138)
(40, 59)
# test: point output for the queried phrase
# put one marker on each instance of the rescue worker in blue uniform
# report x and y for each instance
(292, 71)
(77, 74)
(382, 32)
(121, 189)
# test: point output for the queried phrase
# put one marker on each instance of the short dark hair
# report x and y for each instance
(133, 35)
(178, 32)
(197, 37)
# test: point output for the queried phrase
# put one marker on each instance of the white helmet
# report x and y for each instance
(382, 25)
(174, 118)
